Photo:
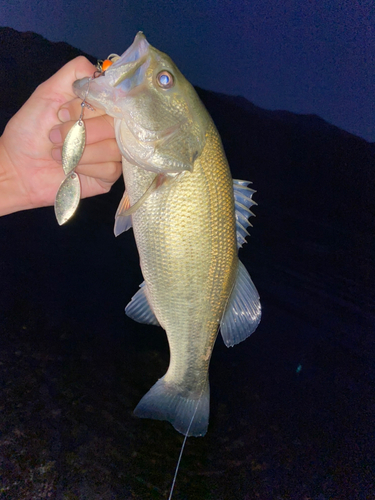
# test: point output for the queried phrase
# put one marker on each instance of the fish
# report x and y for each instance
(189, 219)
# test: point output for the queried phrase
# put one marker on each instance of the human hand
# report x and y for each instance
(30, 147)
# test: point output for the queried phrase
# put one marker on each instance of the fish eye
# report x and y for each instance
(165, 79)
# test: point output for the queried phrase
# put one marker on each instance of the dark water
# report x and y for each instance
(292, 408)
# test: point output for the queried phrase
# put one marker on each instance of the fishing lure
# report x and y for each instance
(69, 192)
(102, 66)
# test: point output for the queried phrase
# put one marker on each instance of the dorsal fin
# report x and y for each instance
(242, 202)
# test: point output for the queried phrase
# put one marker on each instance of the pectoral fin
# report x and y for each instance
(123, 215)
(123, 222)
(243, 312)
(139, 308)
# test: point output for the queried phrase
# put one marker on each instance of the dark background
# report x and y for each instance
(312, 56)
(292, 408)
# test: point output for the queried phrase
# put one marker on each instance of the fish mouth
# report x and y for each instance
(127, 72)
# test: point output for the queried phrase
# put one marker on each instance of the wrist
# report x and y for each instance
(12, 196)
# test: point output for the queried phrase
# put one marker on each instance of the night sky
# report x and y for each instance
(314, 56)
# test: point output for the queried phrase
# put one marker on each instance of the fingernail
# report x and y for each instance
(63, 115)
(56, 154)
(55, 135)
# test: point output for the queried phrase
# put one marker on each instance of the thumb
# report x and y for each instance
(60, 86)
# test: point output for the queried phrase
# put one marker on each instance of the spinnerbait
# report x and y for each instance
(69, 192)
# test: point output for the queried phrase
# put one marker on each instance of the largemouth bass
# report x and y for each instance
(189, 218)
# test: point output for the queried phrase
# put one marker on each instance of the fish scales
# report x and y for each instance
(185, 235)
(189, 219)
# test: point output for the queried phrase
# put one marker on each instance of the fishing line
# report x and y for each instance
(178, 464)
(182, 448)
(185, 438)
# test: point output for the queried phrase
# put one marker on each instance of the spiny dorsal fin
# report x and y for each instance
(242, 202)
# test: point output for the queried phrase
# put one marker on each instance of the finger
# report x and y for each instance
(97, 129)
(107, 172)
(91, 186)
(102, 151)
(59, 86)
(98, 152)
(72, 111)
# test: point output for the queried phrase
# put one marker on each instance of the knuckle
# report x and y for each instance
(113, 170)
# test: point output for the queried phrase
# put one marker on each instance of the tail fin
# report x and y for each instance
(165, 401)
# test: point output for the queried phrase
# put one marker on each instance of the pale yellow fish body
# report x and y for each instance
(186, 240)
(185, 226)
